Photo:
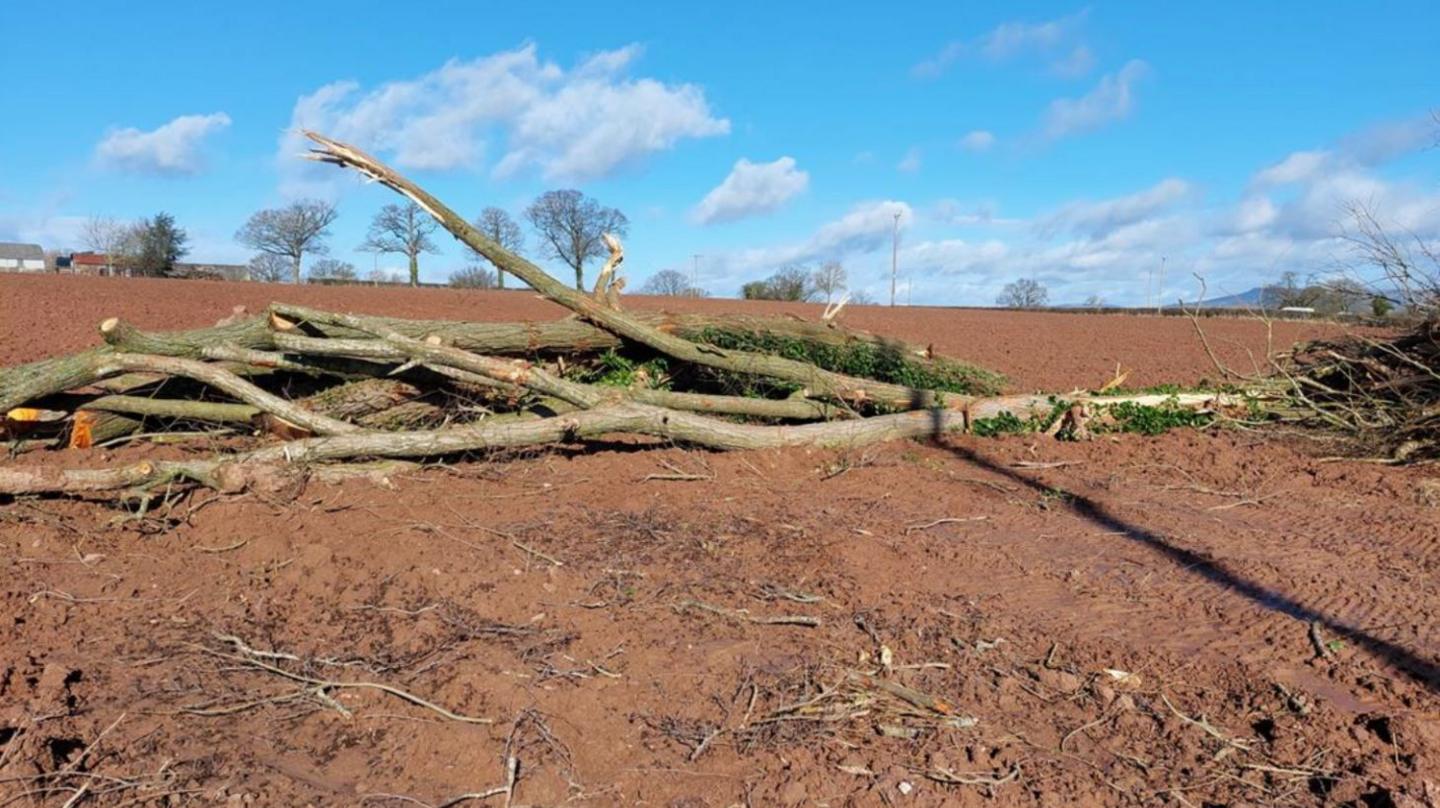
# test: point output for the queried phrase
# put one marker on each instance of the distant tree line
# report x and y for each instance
(798, 282)
(291, 242)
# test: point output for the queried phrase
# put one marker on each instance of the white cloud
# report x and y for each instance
(1253, 213)
(1389, 140)
(954, 212)
(910, 163)
(1011, 40)
(1097, 219)
(571, 125)
(172, 149)
(1300, 166)
(977, 141)
(1079, 62)
(865, 228)
(1372, 146)
(51, 231)
(1111, 100)
(752, 189)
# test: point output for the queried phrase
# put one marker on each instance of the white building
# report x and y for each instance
(21, 257)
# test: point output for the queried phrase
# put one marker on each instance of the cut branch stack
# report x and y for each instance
(336, 387)
(1383, 395)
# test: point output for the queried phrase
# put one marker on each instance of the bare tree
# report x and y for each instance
(1095, 302)
(671, 283)
(498, 226)
(112, 238)
(1408, 268)
(790, 282)
(570, 225)
(403, 229)
(269, 268)
(474, 276)
(1026, 293)
(333, 269)
(290, 232)
(829, 280)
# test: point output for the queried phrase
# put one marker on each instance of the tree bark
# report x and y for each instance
(35, 380)
(626, 418)
(816, 381)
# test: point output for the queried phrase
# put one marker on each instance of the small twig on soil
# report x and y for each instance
(777, 592)
(227, 548)
(1104, 716)
(949, 778)
(744, 616)
(1321, 649)
(1260, 500)
(532, 551)
(1205, 725)
(910, 696)
(949, 520)
(676, 474)
(319, 688)
(705, 743)
(1035, 464)
(253, 652)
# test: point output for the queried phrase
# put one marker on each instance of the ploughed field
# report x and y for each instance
(1201, 618)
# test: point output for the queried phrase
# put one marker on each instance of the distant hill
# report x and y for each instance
(1248, 298)
(1243, 300)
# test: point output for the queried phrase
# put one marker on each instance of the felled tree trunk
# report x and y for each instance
(540, 403)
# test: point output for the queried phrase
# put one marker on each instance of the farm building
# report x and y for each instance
(16, 257)
(89, 263)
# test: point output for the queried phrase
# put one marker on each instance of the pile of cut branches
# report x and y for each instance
(1383, 395)
(308, 391)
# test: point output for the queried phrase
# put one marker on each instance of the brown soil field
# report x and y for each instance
(43, 315)
(1204, 618)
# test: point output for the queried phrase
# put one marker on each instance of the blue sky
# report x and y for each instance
(1079, 144)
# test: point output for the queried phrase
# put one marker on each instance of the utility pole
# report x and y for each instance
(894, 257)
(1160, 290)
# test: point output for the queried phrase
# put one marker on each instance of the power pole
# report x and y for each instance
(1160, 290)
(894, 257)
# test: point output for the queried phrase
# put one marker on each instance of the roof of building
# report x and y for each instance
(90, 259)
(22, 252)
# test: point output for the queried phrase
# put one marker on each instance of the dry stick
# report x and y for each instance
(1206, 726)
(1321, 648)
(949, 778)
(946, 521)
(907, 694)
(745, 617)
(815, 379)
(225, 549)
(330, 684)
